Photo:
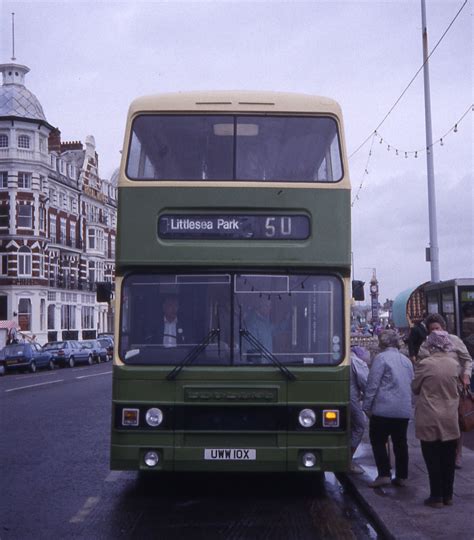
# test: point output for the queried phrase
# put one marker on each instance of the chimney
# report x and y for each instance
(54, 141)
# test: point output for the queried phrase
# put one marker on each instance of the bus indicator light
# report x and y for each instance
(331, 418)
(130, 417)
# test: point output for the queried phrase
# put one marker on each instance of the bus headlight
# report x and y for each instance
(151, 458)
(307, 418)
(331, 418)
(308, 459)
(154, 417)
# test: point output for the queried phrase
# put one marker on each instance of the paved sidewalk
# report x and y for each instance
(400, 510)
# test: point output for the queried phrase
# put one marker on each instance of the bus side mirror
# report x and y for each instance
(358, 290)
(104, 291)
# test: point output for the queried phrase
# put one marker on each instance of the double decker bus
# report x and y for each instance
(232, 285)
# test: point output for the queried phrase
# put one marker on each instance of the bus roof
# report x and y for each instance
(236, 100)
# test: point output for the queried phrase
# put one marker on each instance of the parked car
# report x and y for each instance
(98, 351)
(26, 356)
(2, 364)
(69, 353)
(108, 343)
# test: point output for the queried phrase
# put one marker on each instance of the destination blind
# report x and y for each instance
(234, 227)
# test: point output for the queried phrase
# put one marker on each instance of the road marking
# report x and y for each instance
(94, 375)
(113, 476)
(85, 510)
(33, 385)
(35, 376)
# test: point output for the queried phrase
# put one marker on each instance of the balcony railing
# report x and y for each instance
(63, 241)
(72, 284)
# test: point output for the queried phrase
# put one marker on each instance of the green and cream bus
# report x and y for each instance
(232, 285)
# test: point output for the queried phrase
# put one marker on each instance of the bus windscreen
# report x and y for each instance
(232, 319)
(228, 147)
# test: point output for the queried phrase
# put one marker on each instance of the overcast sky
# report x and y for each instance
(89, 60)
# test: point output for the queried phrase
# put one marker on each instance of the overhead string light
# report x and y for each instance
(392, 108)
(405, 153)
(427, 149)
(366, 170)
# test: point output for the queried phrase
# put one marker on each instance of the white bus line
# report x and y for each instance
(85, 510)
(33, 385)
(94, 375)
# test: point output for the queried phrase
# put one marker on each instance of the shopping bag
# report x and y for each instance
(466, 410)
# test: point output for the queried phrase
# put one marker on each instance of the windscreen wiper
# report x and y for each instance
(193, 353)
(266, 353)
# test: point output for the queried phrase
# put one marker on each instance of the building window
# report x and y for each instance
(91, 238)
(3, 179)
(3, 264)
(42, 218)
(87, 315)
(72, 232)
(51, 316)
(25, 216)
(112, 246)
(42, 313)
(52, 228)
(41, 265)
(4, 216)
(42, 145)
(63, 200)
(24, 314)
(3, 140)
(24, 180)
(91, 271)
(42, 182)
(62, 232)
(23, 141)
(68, 317)
(24, 261)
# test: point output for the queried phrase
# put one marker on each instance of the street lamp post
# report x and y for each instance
(433, 251)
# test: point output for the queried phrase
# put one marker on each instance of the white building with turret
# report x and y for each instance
(57, 222)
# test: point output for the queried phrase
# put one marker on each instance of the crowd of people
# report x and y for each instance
(438, 367)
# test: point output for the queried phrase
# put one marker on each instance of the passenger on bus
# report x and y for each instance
(261, 327)
(171, 332)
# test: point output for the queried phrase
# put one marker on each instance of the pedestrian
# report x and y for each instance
(459, 353)
(417, 335)
(388, 404)
(359, 373)
(436, 415)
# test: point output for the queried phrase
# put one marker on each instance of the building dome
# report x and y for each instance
(15, 99)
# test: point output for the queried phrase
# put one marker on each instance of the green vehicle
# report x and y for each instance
(232, 285)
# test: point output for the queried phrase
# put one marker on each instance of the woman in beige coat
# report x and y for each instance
(436, 415)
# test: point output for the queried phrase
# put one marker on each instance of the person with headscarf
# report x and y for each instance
(459, 353)
(388, 404)
(436, 415)
(360, 357)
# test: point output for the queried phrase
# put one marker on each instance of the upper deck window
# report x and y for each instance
(249, 148)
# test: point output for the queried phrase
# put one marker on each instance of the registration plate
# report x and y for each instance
(230, 454)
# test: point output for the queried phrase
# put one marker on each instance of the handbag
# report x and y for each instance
(466, 410)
